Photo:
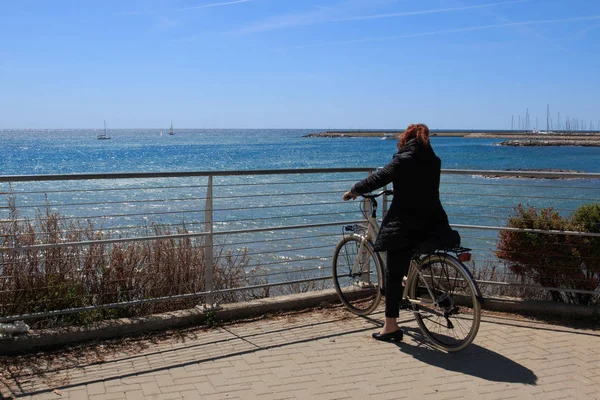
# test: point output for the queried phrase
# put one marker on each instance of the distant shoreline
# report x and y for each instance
(516, 139)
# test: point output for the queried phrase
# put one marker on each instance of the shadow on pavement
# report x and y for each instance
(11, 382)
(474, 360)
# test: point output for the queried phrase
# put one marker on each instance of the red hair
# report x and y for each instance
(419, 131)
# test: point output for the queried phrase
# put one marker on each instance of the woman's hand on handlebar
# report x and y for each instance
(349, 195)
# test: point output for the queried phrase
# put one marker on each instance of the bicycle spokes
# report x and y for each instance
(445, 303)
(357, 275)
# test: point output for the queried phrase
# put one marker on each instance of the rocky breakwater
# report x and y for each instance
(533, 173)
(552, 142)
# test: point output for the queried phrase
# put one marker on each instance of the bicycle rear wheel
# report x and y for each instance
(358, 278)
(445, 302)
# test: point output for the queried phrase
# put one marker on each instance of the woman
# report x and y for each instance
(415, 215)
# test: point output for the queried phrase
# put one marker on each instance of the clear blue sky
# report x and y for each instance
(297, 63)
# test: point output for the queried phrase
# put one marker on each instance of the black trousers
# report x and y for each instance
(397, 266)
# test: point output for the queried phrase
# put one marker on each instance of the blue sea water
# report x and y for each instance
(468, 200)
(78, 151)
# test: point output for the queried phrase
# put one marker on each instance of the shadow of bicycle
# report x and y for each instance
(474, 360)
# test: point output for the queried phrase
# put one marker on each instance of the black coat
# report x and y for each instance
(416, 212)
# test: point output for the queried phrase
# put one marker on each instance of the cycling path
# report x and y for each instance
(321, 354)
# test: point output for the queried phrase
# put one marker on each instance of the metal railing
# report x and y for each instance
(84, 243)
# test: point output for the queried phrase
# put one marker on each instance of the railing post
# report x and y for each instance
(209, 260)
(364, 257)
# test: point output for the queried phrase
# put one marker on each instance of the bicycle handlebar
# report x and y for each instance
(375, 195)
(372, 199)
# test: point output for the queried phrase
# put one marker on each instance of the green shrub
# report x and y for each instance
(587, 219)
(554, 259)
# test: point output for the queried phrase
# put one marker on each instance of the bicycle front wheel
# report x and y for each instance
(445, 302)
(357, 275)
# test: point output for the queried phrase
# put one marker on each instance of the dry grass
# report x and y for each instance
(34, 280)
(499, 272)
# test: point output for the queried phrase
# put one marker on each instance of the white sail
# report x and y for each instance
(104, 136)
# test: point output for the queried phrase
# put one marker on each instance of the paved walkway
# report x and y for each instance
(325, 354)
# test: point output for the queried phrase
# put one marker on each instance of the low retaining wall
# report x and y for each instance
(54, 338)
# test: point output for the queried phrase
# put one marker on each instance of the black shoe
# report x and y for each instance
(395, 336)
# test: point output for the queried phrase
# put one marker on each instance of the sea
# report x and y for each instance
(138, 150)
(469, 200)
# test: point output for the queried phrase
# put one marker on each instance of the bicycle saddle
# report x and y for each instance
(439, 240)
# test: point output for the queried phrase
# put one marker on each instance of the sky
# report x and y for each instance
(310, 64)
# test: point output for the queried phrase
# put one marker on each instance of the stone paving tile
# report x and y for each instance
(326, 354)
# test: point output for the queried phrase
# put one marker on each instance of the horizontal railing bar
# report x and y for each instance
(281, 183)
(130, 175)
(454, 215)
(107, 229)
(153, 300)
(533, 174)
(281, 216)
(107, 282)
(107, 216)
(328, 203)
(97, 259)
(279, 262)
(317, 235)
(531, 185)
(177, 199)
(290, 227)
(124, 202)
(277, 228)
(301, 269)
(494, 206)
(149, 188)
(516, 197)
(174, 236)
(327, 246)
(102, 241)
(272, 195)
(16, 192)
(505, 228)
(293, 271)
(83, 258)
(527, 286)
(500, 207)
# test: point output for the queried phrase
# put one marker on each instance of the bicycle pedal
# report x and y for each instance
(364, 285)
(404, 304)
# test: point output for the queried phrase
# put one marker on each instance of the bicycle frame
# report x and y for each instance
(370, 209)
(368, 237)
(429, 285)
(415, 272)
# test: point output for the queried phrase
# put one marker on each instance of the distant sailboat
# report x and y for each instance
(171, 130)
(103, 136)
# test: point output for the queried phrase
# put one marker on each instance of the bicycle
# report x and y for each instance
(439, 289)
